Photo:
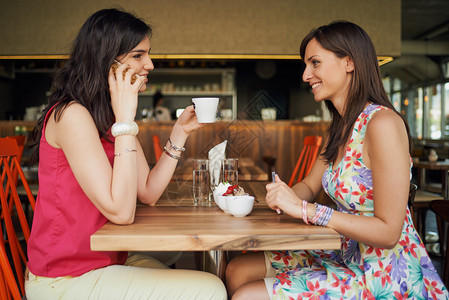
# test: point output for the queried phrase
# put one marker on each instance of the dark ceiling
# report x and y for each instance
(425, 42)
(425, 19)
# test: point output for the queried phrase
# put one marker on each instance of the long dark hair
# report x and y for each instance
(106, 34)
(346, 39)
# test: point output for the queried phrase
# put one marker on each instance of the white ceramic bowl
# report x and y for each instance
(224, 205)
(221, 202)
(239, 206)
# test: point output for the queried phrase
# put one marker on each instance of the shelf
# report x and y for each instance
(35, 71)
(190, 93)
(191, 71)
(182, 83)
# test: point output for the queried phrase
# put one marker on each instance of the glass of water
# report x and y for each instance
(201, 182)
(230, 170)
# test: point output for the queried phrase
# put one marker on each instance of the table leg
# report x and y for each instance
(215, 261)
(422, 178)
(445, 184)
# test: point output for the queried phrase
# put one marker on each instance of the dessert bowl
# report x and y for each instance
(239, 206)
(221, 202)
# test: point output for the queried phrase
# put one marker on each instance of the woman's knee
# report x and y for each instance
(243, 269)
(252, 290)
(233, 266)
(250, 265)
(235, 271)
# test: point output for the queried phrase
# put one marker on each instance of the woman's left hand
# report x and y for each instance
(188, 121)
(281, 196)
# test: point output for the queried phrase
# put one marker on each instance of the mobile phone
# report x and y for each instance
(114, 67)
(273, 175)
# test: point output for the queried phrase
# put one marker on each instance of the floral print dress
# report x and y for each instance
(357, 270)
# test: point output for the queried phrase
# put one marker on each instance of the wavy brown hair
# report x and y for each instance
(346, 39)
(106, 34)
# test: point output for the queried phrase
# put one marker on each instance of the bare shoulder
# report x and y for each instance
(385, 120)
(75, 112)
(75, 122)
(386, 130)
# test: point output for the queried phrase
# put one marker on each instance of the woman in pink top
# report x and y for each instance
(92, 169)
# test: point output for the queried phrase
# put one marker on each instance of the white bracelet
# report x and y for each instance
(126, 128)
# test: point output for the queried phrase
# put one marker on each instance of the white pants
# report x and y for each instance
(140, 278)
(269, 276)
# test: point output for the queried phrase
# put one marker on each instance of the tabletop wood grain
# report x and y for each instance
(208, 228)
(176, 225)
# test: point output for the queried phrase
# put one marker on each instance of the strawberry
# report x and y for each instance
(230, 190)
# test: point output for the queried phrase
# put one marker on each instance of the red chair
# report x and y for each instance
(306, 159)
(9, 165)
(20, 139)
(157, 147)
(8, 284)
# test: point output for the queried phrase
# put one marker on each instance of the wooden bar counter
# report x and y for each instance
(282, 139)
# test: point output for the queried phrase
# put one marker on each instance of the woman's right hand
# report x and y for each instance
(124, 93)
(281, 196)
(188, 120)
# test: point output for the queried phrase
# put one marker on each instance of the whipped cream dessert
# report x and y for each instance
(225, 189)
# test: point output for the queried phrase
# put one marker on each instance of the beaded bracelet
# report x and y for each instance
(170, 154)
(304, 212)
(173, 146)
(327, 216)
(324, 215)
(319, 211)
(125, 128)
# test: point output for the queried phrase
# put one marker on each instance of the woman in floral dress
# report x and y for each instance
(365, 169)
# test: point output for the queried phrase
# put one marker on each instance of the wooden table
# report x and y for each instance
(173, 225)
(443, 166)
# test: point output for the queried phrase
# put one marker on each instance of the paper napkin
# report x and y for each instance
(216, 155)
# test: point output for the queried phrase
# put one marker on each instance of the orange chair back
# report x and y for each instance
(20, 139)
(9, 164)
(157, 147)
(306, 159)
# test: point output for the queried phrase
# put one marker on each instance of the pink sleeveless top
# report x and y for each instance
(64, 219)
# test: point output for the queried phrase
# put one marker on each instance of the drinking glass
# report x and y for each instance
(230, 170)
(201, 182)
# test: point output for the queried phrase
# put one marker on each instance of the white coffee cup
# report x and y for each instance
(205, 109)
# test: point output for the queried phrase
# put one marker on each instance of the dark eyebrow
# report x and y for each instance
(310, 58)
(138, 51)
